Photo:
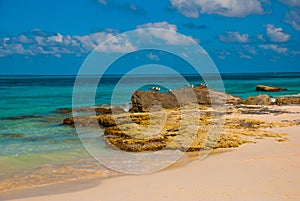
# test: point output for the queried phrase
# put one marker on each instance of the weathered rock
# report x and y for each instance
(287, 100)
(112, 110)
(269, 88)
(143, 101)
(136, 145)
(69, 121)
(63, 110)
(107, 120)
(258, 100)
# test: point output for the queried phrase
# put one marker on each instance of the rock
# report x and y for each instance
(101, 110)
(269, 88)
(106, 120)
(143, 101)
(69, 121)
(117, 110)
(63, 111)
(258, 100)
(136, 145)
(287, 100)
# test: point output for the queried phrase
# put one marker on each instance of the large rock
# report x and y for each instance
(143, 101)
(258, 100)
(287, 100)
(269, 88)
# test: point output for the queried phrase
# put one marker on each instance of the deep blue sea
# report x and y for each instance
(32, 134)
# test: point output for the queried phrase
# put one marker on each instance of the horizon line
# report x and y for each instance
(263, 72)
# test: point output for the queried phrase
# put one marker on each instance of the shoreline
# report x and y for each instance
(253, 159)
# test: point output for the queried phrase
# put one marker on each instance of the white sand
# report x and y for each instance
(266, 171)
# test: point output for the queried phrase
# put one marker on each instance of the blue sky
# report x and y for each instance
(54, 37)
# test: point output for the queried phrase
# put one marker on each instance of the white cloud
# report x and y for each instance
(171, 38)
(228, 8)
(163, 25)
(274, 47)
(293, 18)
(38, 42)
(116, 44)
(234, 37)
(277, 34)
(58, 38)
(24, 39)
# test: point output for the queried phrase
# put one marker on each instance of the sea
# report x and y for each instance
(36, 149)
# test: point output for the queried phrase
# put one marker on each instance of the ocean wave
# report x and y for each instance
(292, 95)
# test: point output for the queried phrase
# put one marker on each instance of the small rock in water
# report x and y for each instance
(63, 110)
(269, 88)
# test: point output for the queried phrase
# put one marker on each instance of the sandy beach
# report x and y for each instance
(265, 170)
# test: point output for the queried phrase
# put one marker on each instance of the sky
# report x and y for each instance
(54, 37)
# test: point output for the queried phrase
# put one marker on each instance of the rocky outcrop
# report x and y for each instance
(288, 100)
(258, 100)
(269, 88)
(172, 130)
(143, 101)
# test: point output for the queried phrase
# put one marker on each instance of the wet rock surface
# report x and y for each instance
(269, 88)
(174, 129)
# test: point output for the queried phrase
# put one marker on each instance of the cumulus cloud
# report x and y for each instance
(234, 37)
(38, 42)
(227, 8)
(277, 34)
(163, 25)
(274, 47)
(170, 38)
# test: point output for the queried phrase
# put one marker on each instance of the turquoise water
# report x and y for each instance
(32, 134)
